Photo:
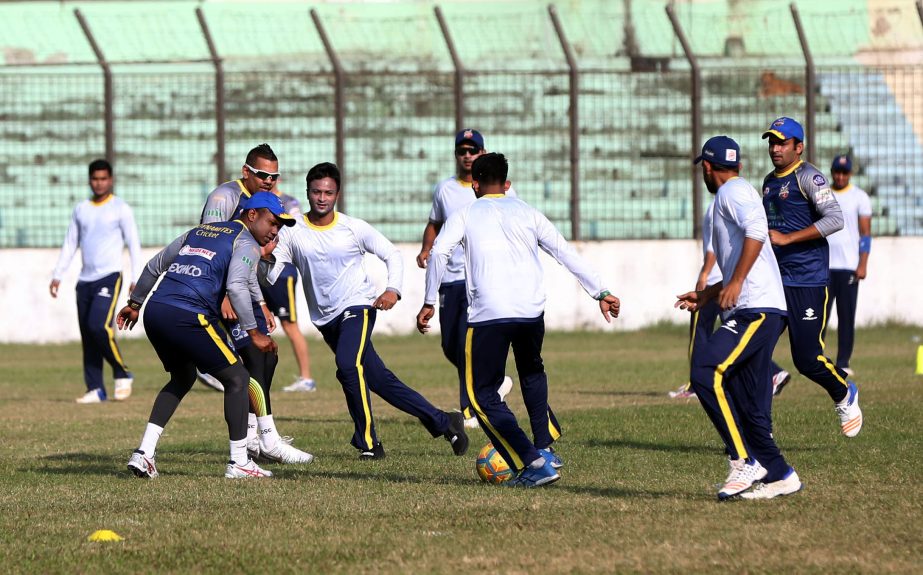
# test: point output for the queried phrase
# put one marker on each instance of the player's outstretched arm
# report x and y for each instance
(694, 300)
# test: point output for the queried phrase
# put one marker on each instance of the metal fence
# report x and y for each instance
(603, 150)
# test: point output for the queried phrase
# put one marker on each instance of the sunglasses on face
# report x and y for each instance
(462, 151)
(261, 175)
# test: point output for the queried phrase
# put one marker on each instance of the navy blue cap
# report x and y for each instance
(785, 128)
(271, 202)
(841, 164)
(469, 135)
(720, 150)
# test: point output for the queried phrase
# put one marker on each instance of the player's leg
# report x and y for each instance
(389, 387)
(346, 337)
(92, 355)
(101, 316)
(526, 342)
(281, 301)
(806, 323)
(847, 298)
(305, 381)
(453, 322)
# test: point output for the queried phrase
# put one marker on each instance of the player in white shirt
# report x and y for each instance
(328, 248)
(849, 256)
(504, 279)
(449, 196)
(101, 226)
(731, 373)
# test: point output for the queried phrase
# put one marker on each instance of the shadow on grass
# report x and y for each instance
(616, 393)
(648, 446)
(79, 464)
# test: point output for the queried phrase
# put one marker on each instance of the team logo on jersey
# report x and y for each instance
(783, 193)
(823, 196)
(200, 252)
(185, 269)
(104, 292)
(809, 314)
(766, 191)
(730, 325)
(247, 261)
(819, 180)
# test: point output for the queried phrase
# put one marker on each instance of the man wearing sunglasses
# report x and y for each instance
(258, 174)
(449, 196)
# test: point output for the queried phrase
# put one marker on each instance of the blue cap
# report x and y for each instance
(720, 150)
(469, 135)
(785, 128)
(271, 202)
(841, 164)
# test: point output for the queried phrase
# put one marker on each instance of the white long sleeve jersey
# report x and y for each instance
(714, 274)
(331, 262)
(449, 196)
(739, 214)
(501, 237)
(101, 231)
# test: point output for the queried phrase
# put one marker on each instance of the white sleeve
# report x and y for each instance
(865, 205)
(373, 241)
(437, 213)
(283, 254)
(449, 237)
(130, 235)
(71, 241)
(554, 244)
(707, 229)
(750, 215)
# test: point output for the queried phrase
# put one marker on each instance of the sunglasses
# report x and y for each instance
(261, 175)
(461, 151)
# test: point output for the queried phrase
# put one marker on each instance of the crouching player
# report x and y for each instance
(183, 321)
(731, 374)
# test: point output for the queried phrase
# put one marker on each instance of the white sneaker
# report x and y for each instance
(248, 471)
(301, 384)
(472, 423)
(210, 381)
(142, 465)
(741, 477)
(848, 371)
(284, 453)
(255, 450)
(849, 412)
(779, 381)
(505, 387)
(785, 486)
(683, 392)
(92, 396)
(123, 388)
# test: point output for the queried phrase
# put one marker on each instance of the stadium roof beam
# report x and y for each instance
(459, 70)
(219, 97)
(108, 96)
(696, 120)
(574, 113)
(338, 101)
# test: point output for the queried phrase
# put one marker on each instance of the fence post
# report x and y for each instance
(696, 121)
(338, 102)
(459, 70)
(574, 113)
(108, 108)
(810, 86)
(920, 10)
(219, 97)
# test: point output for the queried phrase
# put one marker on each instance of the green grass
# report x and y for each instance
(637, 492)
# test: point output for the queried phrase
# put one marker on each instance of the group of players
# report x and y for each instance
(775, 251)
(208, 314)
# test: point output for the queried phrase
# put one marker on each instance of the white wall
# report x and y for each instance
(645, 275)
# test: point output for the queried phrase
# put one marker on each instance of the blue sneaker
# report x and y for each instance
(530, 477)
(551, 457)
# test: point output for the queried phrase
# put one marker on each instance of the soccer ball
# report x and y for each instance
(491, 466)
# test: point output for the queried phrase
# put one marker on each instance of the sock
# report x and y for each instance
(239, 451)
(251, 427)
(538, 463)
(269, 436)
(150, 438)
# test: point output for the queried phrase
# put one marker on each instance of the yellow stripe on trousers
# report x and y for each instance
(228, 354)
(823, 346)
(292, 304)
(363, 388)
(719, 386)
(469, 386)
(109, 333)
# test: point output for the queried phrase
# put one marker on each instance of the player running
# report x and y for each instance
(802, 212)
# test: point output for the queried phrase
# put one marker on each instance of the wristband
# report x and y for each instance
(602, 295)
(134, 305)
(865, 244)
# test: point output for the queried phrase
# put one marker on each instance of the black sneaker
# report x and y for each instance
(456, 435)
(377, 452)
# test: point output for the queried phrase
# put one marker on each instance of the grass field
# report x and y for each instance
(637, 492)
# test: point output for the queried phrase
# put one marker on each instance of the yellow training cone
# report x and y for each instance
(920, 360)
(104, 535)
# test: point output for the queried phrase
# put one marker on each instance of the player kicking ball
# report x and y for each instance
(731, 374)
